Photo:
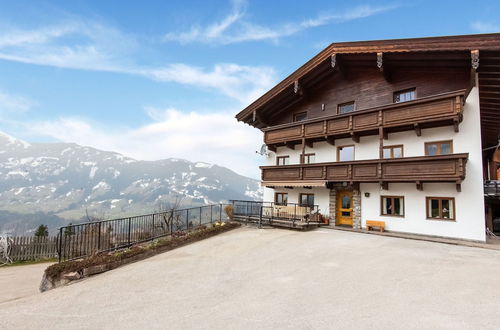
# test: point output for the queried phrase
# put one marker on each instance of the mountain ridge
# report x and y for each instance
(67, 181)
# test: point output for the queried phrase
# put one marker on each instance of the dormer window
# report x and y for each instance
(345, 107)
(405, 95)
(300, 116)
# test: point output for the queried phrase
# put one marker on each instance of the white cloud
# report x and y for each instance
(92, 46)
(244, 83)
(234, 28)
(210, 137)
(484, 27)
(10, 103)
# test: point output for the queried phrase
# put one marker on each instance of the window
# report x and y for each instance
(393, 151)
(442, 208)
(345, 107)
(308, 158)
(306, 200)
(281, 198)
(392, 205)
(438, 148)
(300, 116)
(283, 160)
(405, 95)
(345, 153)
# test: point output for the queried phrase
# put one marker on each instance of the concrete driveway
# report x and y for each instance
(20, 281)
(270, 278)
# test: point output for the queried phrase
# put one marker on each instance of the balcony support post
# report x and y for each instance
(455, 125)
(355, 137)
(418, 131)
(420, 186)
(384, 185)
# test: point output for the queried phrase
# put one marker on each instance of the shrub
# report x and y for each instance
(177, 239)
(229, 211)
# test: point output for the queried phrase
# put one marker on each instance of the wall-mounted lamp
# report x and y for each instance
(367, 194)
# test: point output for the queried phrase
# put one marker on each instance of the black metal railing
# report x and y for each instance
(271, 212)
(492, 188)
(85, 239)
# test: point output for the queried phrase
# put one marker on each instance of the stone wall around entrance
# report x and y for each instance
(356, 200)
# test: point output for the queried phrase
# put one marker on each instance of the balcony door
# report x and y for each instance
(344, 208)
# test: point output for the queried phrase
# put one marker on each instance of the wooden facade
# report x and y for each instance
(443, 168)
(432, 111)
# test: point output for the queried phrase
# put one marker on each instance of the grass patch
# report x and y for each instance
(30, 262)
(159, 245)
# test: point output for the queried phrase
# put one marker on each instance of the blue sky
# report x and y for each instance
(159, 79)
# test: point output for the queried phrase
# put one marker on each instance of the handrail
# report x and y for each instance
(370, 161)
(87, 238)
(426, 99)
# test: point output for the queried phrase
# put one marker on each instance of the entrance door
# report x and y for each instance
(344, 208)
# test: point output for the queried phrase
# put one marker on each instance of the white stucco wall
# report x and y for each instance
(469, 203)
(321, 196)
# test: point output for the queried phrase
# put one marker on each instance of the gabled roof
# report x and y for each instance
(462, 44)
(448, 43)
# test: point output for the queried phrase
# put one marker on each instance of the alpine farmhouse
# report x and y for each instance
(401, 131)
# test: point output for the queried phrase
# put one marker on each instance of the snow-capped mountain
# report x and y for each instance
(66, 180)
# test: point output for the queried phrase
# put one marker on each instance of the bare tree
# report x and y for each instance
(171, 220)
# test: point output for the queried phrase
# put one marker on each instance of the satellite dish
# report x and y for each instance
(263, 150)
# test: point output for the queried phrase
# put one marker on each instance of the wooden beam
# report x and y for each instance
(297, 88)
(307, 187)
(271, 147)
(355, 137)
(330, 140)
(455, 125)
(288, 187)
(418, 131)
(333, 61)
(308, 143)
(384, 185)
(380, 61)
(474, 55)
(459, 186)
(420, 186)
(382, 133)
(290, 145)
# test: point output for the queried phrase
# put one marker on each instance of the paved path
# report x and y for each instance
(271, 278)
(20, 281)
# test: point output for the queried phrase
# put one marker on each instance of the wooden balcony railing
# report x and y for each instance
(439, 110)
(442, 168)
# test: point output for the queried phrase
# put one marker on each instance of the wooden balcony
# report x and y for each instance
(439, 110)
(443, 168)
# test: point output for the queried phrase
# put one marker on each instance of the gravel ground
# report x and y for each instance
(270, 278)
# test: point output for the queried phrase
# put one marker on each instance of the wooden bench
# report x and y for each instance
(372, 223)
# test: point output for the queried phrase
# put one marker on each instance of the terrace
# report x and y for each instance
(434, 111)
(442, 168)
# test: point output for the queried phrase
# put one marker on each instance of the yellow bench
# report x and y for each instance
(372, 223)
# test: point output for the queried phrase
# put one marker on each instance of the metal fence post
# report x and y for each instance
(260, 216)
(99, 237)
(59, 249)
(129, 227)
(211, 213)
(200, 215)
(187, 219)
